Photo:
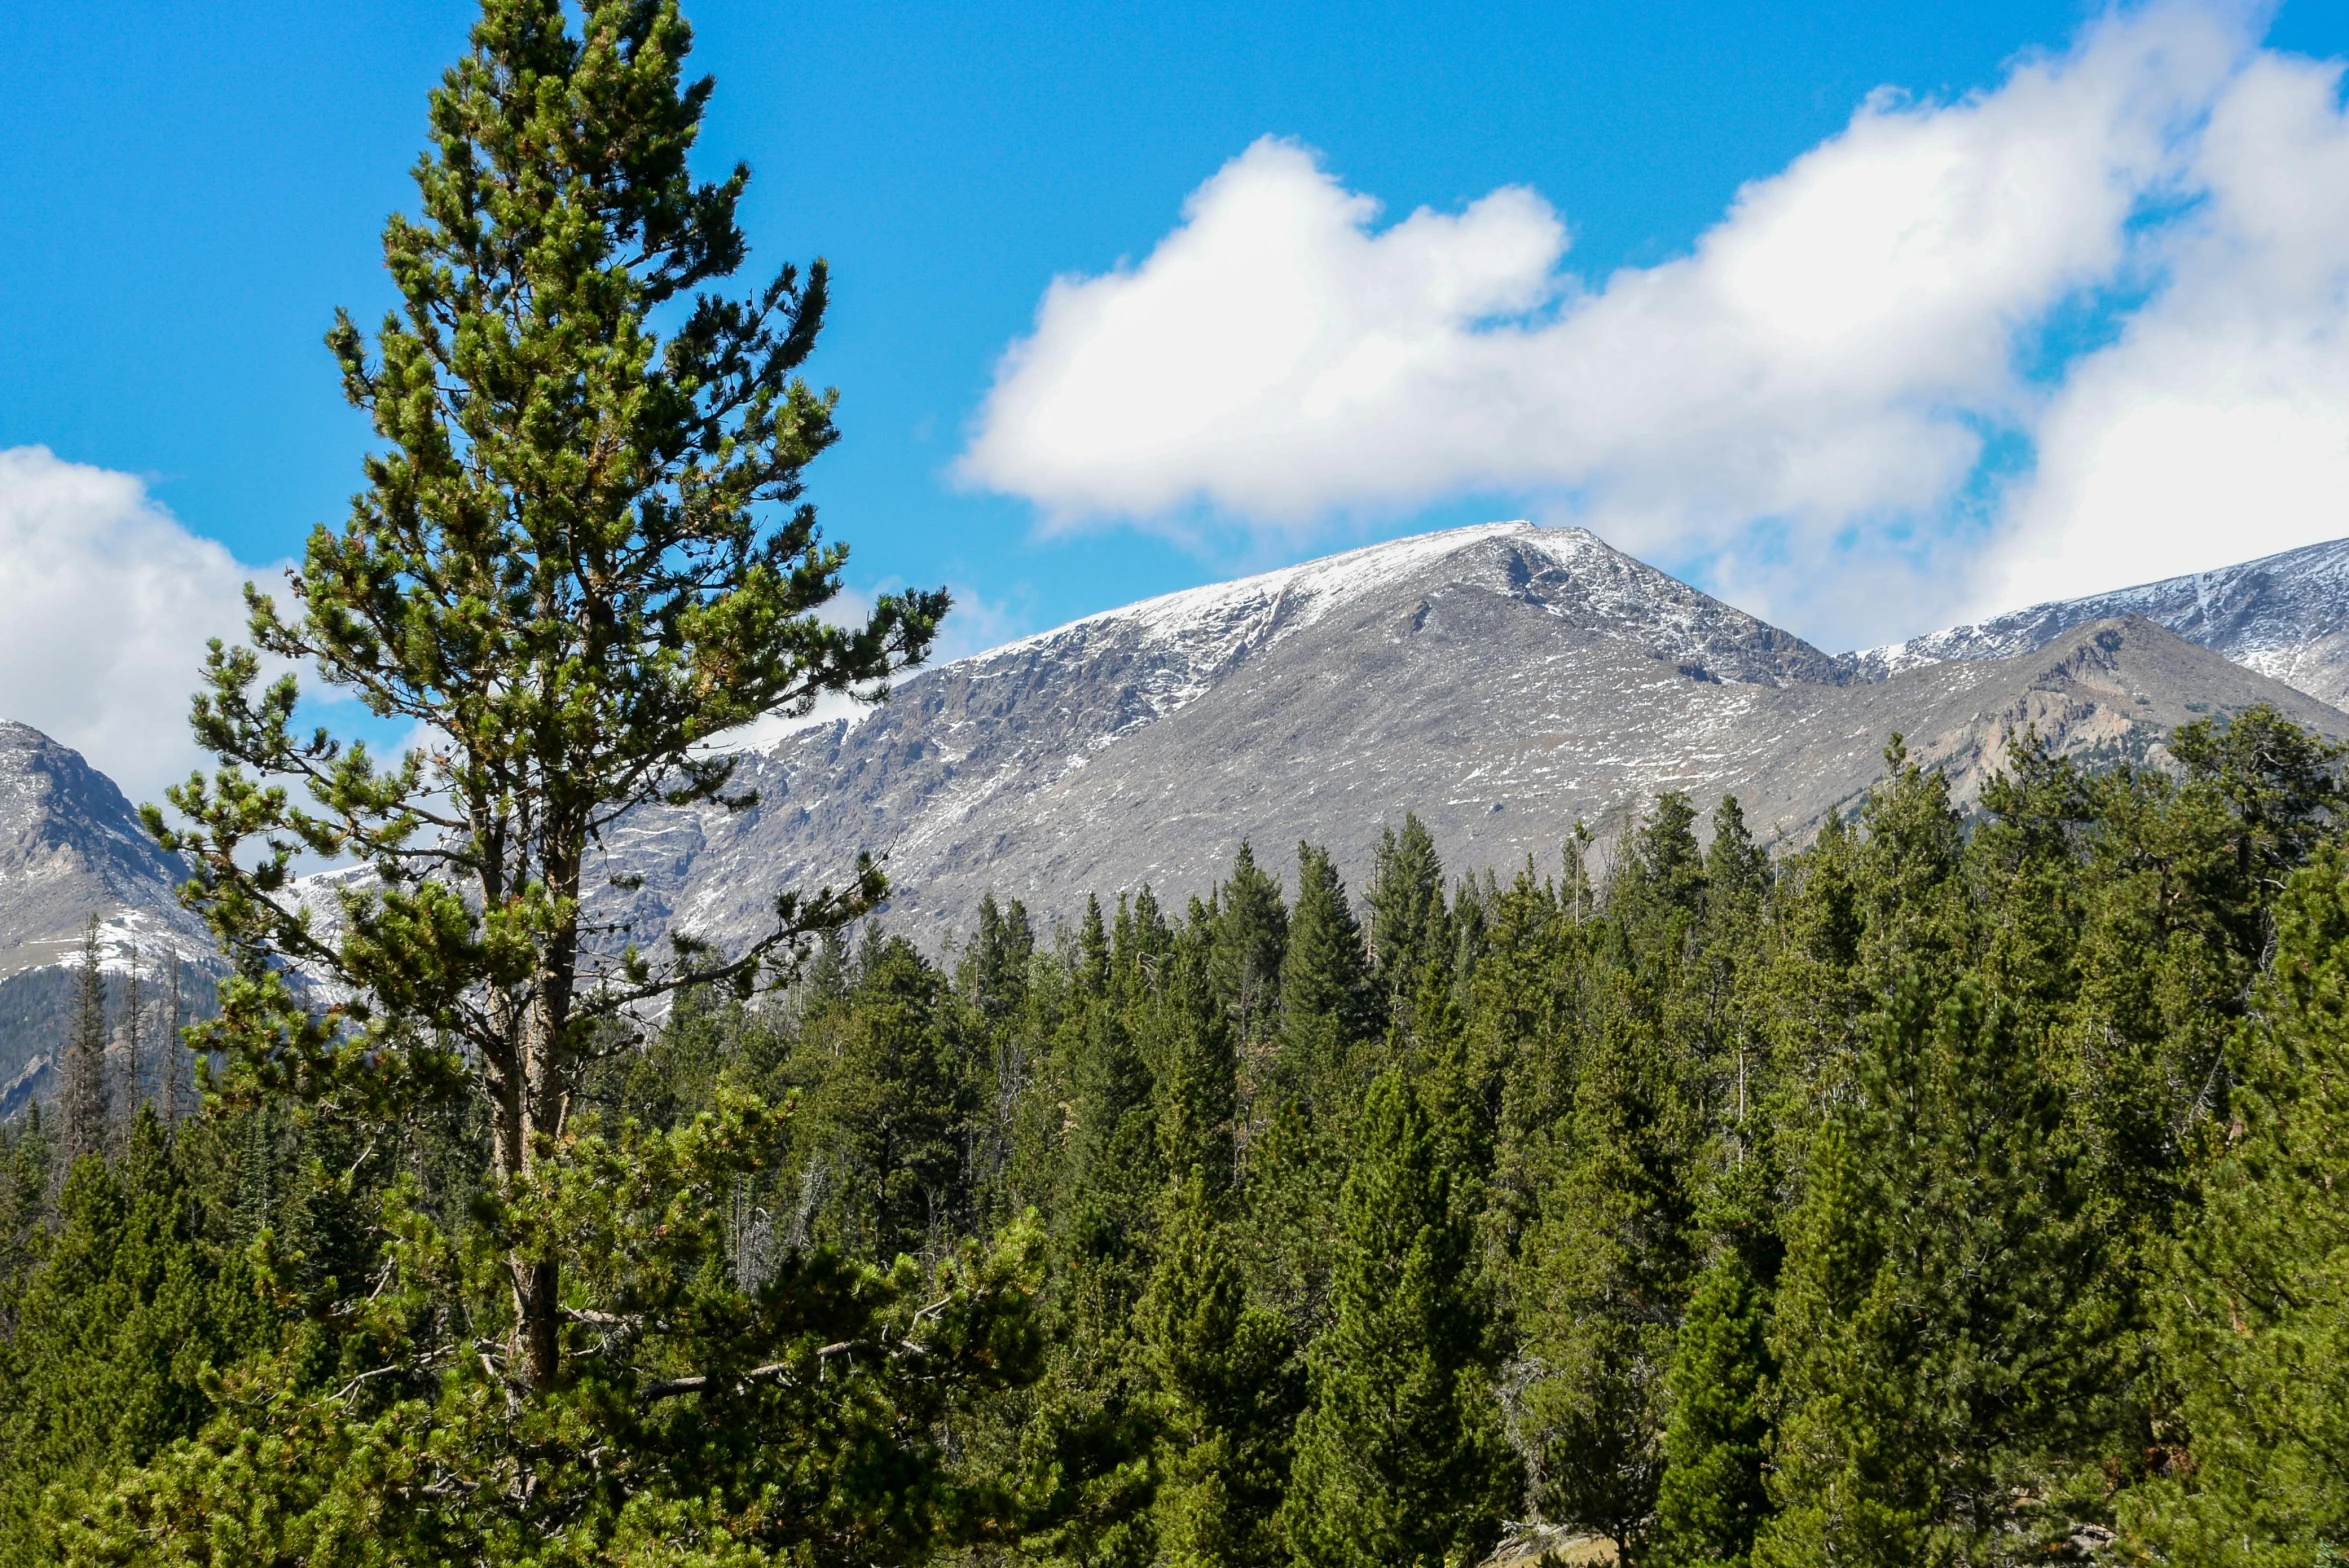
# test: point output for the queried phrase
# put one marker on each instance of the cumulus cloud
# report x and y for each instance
(107, 602)
(2072, 331)
(2216, 427)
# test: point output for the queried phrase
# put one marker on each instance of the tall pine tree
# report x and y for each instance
(1400, 1462)
(582, 550)
(1327, 1009)
(1409, 925)
(1606, 1274)
(87, 1100)
(1942, 1313)
(1250, 935)
(1226, 1368)
(1711, 1499)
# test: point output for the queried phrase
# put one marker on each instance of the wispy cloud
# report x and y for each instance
(2080, 329)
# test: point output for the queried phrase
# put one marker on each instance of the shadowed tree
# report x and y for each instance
(1227, 1373)
(1400, 1461)
(1409, 926)
(1250, 935)
(1328, 1010)
(2258, 1333)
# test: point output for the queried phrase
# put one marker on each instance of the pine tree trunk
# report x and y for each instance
(532, 1114)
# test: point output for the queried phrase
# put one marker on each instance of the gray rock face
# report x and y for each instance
(1502, 681)
(71, 847)
(2286, 616)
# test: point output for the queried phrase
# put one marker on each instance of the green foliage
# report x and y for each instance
(1943, 1320)
(84, 1101)
(1950, 1191)
(1607, 1270)
(2259, 1326)
(1711, 1499)
(1230, 1378)
(1953, 1190)
(1409, 925)
(115, 1334)
(883, 1115)
(706, 1413)
(1327, 1009)
(582, 550)
(1399, 1456)
(1198, 1084)
(1250, 936)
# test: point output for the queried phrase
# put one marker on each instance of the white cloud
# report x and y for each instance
(106, 602)
(2216, 428)
(976, 624)
(1800, 406)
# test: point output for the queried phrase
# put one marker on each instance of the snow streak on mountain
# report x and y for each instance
(2286, 616)
(1503, 681)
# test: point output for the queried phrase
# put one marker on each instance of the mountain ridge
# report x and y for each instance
(1502, 680)
(2282, 615)
(72, 847)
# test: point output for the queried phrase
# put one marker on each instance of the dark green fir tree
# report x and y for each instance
(1711, 1500)
(118, 1331)
(1228, 1373)
(1400, 1460)
(85, 1101)
(1409, 925)
(1250, 935)
(1943, 1315)
(2257, 1335)
(1327, 1014)
(1607, 1270)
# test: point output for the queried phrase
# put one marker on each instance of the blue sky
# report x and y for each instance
(195, 188)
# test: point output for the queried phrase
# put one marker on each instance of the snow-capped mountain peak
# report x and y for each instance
(1297, 596)
(2284, 615)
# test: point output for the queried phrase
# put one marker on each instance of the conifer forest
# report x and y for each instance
(1956, 1186)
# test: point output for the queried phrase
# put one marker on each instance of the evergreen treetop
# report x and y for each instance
(582, 550)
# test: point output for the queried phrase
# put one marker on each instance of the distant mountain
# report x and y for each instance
(71, 847)
(2286, 616)
(1502, 681)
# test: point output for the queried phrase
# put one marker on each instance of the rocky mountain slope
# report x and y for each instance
(2286, 616)
(71, 847)
(1503, 681)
